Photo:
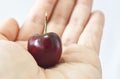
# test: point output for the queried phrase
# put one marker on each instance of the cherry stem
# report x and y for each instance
(45, 27)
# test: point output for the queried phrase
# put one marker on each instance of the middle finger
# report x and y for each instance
(61, 16)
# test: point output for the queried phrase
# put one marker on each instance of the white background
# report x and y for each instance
(110, 46)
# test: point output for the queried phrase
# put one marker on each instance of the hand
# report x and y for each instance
(80, 32)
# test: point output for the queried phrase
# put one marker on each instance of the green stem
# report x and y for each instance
(45, 26)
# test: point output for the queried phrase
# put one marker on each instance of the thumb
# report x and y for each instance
(9, 29)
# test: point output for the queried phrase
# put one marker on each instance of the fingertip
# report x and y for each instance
(99, 14)
(9, 29)
(13, 23)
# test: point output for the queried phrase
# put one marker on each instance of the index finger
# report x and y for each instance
(35, 20)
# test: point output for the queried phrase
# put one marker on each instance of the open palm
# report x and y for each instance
(80, 32)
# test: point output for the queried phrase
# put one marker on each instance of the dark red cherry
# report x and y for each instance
(46, 49)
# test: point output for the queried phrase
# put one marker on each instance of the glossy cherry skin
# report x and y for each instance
(46, 49)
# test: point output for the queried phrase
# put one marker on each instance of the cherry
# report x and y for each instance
(45, 48)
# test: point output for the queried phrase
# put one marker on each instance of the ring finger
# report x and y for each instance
(77, 21)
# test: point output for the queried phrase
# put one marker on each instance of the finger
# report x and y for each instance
(92, 34)
(61, 16)
(35, 20)
(77, 22)
(9, 29)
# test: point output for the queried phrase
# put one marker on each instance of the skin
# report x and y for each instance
(80, 31)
